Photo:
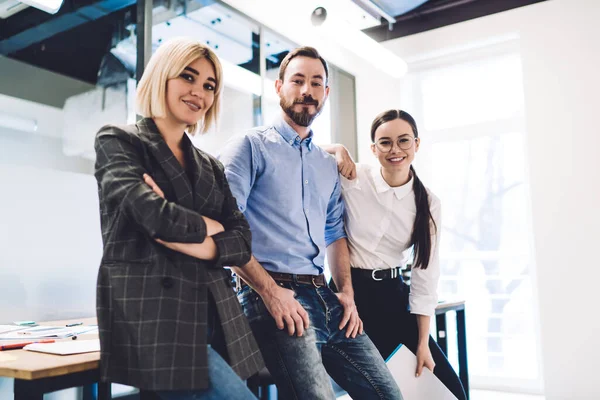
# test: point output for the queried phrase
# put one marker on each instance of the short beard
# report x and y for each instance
(302, 118)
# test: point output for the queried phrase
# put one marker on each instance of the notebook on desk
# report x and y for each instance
(403, 365)
(66, 348)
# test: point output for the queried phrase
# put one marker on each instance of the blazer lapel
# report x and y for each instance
(201, 175)
(169, 164)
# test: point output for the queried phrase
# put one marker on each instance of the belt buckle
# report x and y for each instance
(373, 275)
(314, 283)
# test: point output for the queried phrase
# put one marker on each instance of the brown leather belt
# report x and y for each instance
(315, 280)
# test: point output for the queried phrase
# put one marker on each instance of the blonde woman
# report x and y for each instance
(170, 323)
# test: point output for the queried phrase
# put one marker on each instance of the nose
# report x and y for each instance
(306, 89)
(197, 90)
(395, 147)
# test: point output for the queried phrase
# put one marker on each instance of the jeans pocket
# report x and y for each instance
(252, 304)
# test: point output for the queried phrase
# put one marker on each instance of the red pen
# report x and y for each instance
(15, 346)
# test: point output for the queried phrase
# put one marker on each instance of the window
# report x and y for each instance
(470, 116)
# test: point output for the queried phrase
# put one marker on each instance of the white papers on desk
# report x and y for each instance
(66, 348)
(403, 364)
(47, 332)
(9, 328)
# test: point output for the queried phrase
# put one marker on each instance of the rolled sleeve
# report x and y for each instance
(334, 227)
(240, 168)
(234, 243)
(423, 295)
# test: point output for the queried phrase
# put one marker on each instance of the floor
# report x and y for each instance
(491, 395)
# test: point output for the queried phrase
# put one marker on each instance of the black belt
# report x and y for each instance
(379, 274)
(315, 280)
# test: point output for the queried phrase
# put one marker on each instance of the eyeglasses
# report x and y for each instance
(403, 142)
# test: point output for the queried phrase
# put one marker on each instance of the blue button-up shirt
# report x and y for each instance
(289, 191)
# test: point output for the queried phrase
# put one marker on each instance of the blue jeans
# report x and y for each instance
(299, 365)
(224, 384)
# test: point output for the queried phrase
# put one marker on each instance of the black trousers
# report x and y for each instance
(383, 308)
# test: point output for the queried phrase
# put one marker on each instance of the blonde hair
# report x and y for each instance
(168, 62)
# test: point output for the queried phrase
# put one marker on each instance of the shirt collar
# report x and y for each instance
(290, 135)
(382, 186)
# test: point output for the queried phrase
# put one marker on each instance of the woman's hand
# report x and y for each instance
(150, 182)
(212, 227)
(346, 165)
(424, 359)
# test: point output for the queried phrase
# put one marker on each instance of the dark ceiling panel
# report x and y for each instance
(438, 13)
(72, 43)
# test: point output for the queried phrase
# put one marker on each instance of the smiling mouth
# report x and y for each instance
(396, 159)
(192, 106)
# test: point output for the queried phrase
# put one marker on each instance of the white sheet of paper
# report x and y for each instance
(66, 347)
(403, 364)
(47, 332)
(10, 328)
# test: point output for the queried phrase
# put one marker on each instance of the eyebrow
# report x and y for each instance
(193, 71)
(402, 134)
(300, 75)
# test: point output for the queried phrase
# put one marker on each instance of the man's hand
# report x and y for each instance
(285, 309)
(424, 358)
(212, 227)
(346, 165)
(350, 319)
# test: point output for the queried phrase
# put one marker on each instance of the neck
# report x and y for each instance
(396, 178)
(302, 131)
(171, 131)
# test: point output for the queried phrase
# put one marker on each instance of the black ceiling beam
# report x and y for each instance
(438, 13)
(60, 23)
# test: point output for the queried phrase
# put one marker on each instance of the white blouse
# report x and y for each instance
(379, 221)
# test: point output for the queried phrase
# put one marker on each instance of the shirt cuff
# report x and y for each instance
(422, 305)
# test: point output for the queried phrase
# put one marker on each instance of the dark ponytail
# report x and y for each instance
(422, 228)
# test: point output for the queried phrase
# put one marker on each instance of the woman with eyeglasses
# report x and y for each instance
(389, 212)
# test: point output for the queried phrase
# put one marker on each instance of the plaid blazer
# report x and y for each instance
(151, 301)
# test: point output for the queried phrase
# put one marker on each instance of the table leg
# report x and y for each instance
(34, 389)
(441, 333)
(463, 368)
(24, 391)
(104, 391)
(89, 392)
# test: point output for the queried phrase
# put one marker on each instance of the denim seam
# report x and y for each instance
(286, 371)
(351, 361)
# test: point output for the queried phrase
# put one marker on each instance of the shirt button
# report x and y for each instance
(306, 182)
(291, 142)
(306, 209)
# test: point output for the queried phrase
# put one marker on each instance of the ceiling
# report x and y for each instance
(74, 41)
(432, 14)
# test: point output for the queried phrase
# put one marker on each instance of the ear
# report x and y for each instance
(278, 85)
(374, 149)
(327, 90)
(417, 143)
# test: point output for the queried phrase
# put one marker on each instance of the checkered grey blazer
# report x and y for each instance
(151, 301)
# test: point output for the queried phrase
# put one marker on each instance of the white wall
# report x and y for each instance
(561, 72)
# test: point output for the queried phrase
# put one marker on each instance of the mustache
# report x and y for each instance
(306, 101)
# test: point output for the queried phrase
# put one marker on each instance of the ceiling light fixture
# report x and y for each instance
(18, 123)
(358, 42)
